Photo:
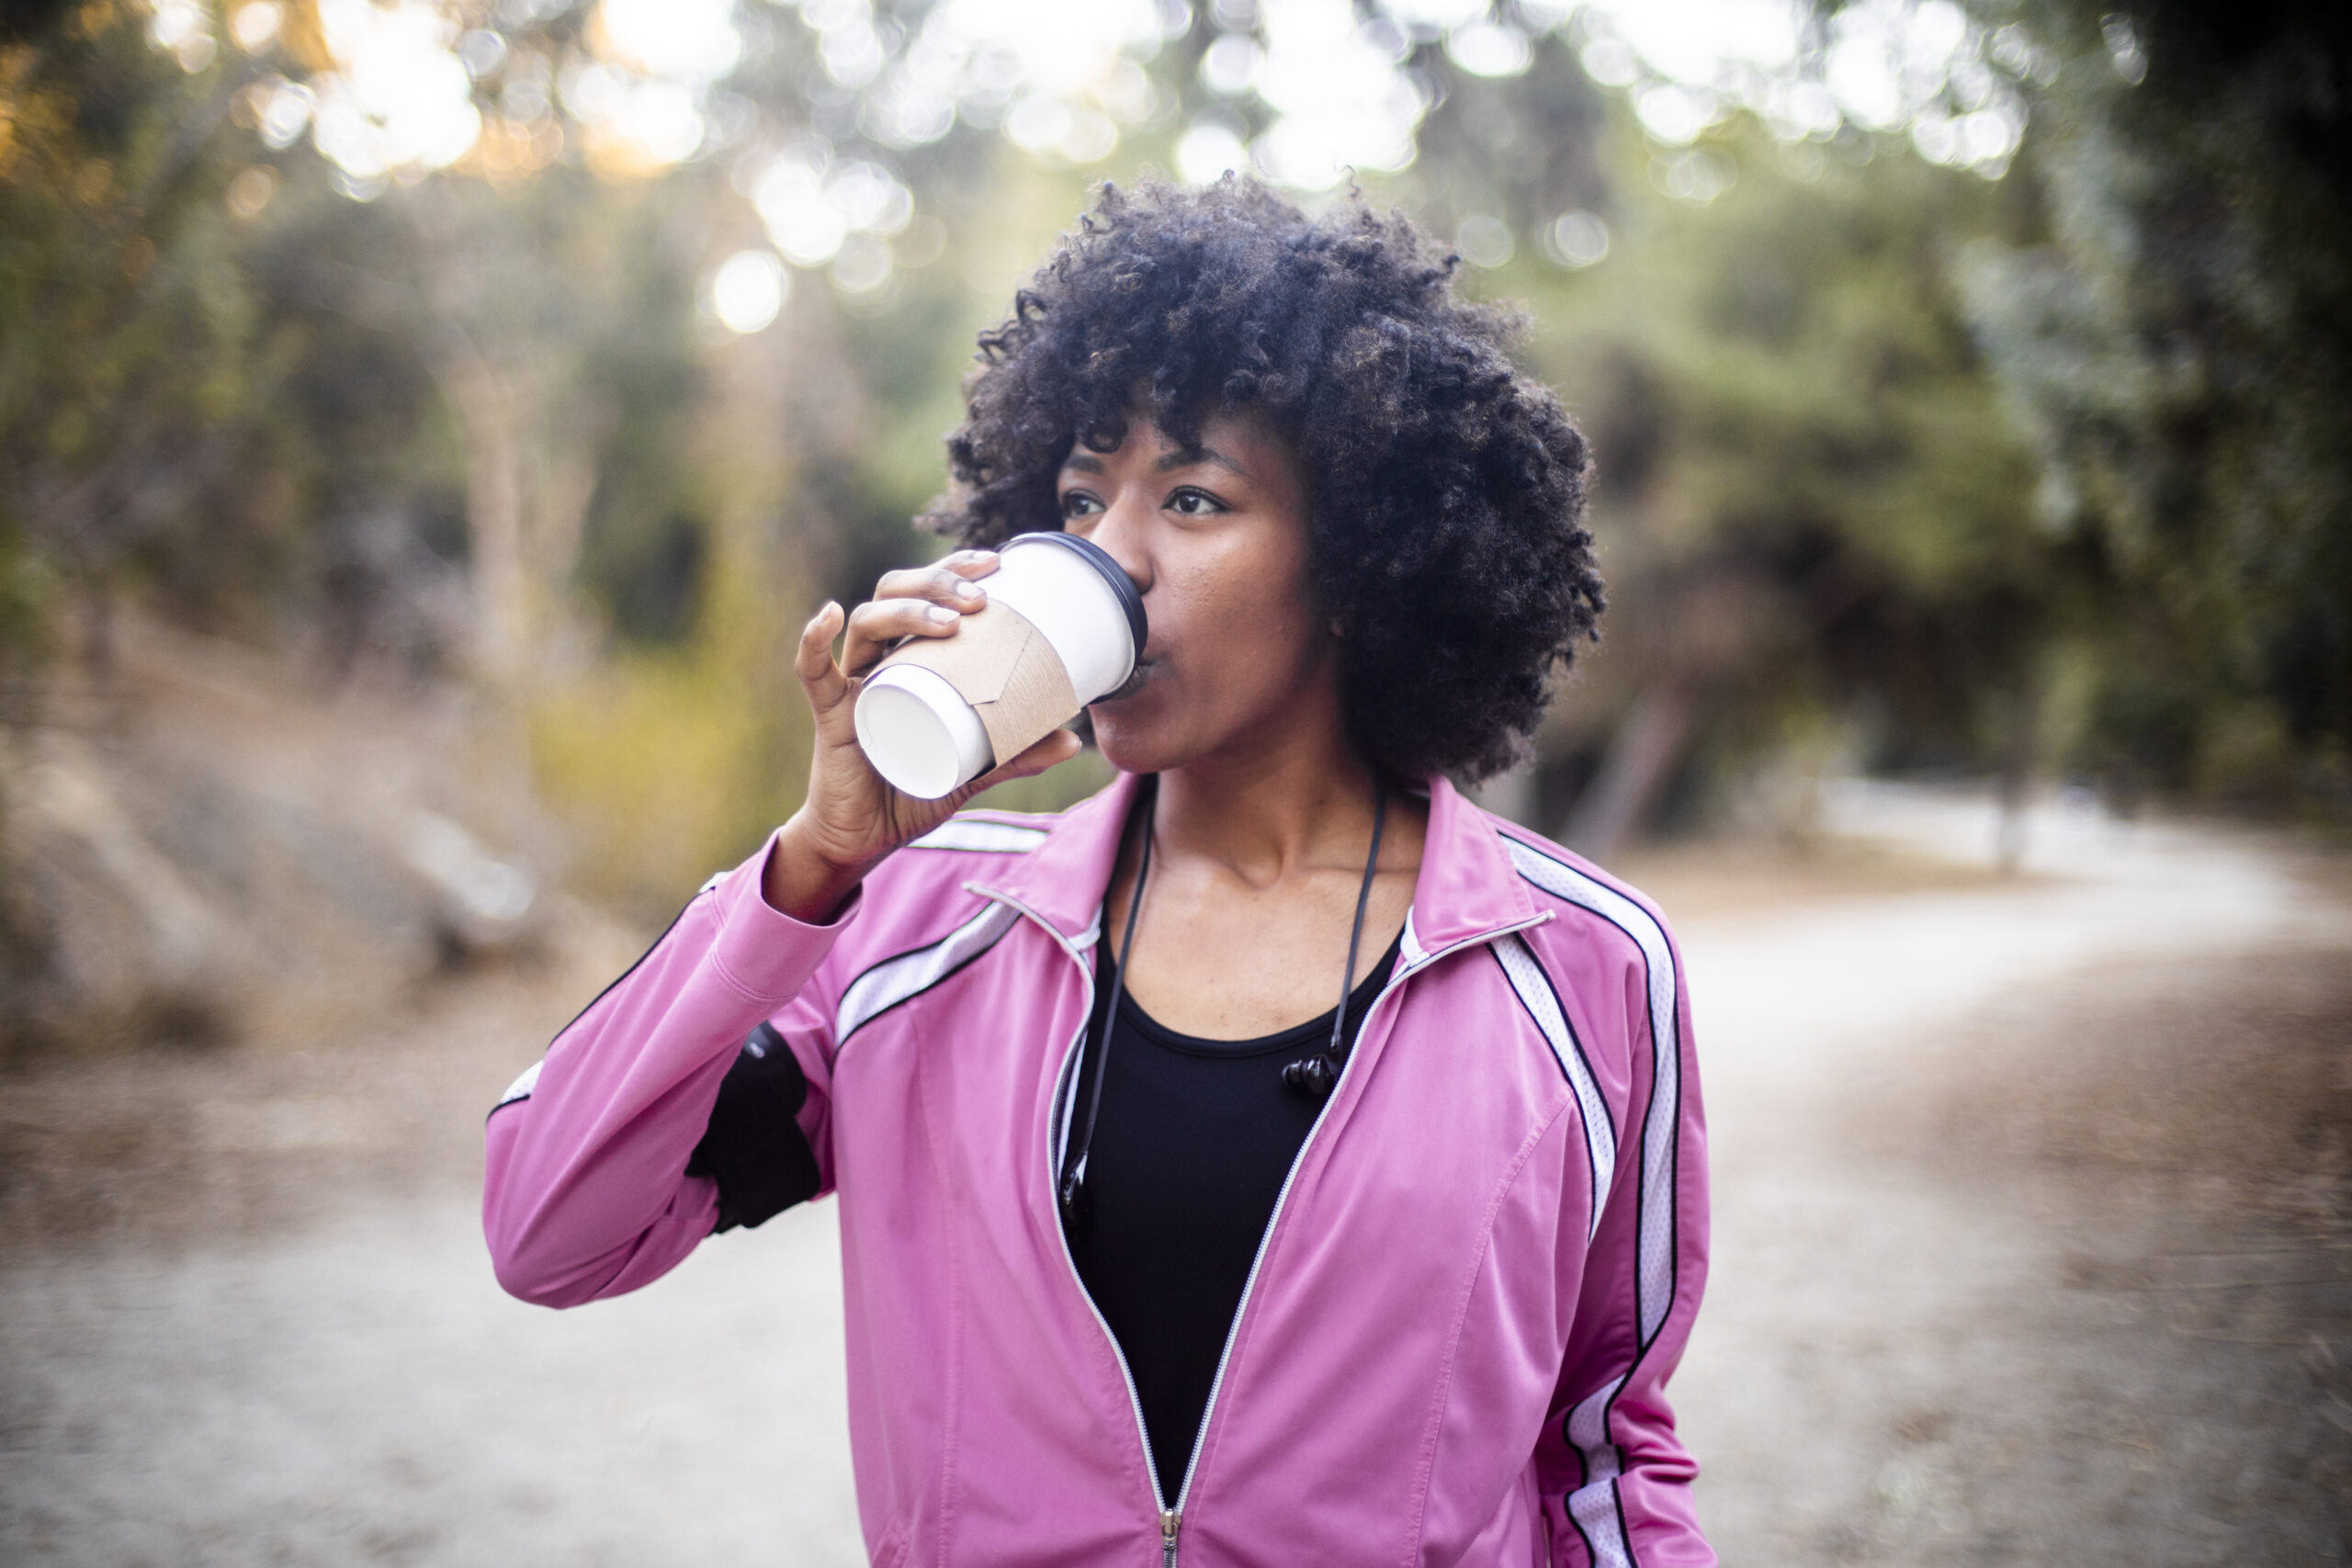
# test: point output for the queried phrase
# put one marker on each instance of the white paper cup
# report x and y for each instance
(1063, 627)
(918, 733)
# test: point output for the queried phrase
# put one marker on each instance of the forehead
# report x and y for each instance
(1242, 439)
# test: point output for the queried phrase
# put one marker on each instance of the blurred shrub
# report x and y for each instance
(662, 770)
(2247, 759)
(671, 763)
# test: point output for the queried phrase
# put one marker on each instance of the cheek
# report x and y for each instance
(1248, 619)
(1240, 640)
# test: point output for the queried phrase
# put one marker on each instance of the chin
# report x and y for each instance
(1132, 749)
(1135, 734)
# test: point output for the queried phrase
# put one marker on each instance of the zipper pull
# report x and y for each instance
(1167, 1523)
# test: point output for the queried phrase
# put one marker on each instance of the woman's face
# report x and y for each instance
(1215, 536)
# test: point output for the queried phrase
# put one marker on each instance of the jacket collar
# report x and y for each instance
(1468, 887)
(1062, 880)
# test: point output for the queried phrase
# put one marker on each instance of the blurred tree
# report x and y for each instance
(601, 338)
(2180, 350)
(126, 324)
(1810, 502)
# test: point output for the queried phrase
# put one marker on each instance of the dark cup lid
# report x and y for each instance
(1130, 597)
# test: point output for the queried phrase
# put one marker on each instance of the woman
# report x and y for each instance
(1151, 1250)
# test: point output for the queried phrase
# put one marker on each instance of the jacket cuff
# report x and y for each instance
(763, 951)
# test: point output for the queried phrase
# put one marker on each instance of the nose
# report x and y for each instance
(1124, 533)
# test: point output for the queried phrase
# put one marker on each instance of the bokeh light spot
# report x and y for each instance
(748, 290)
(1484, 240)
(1576, 240)
(252, 190)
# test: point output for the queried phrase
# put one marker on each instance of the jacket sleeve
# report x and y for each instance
(1616, 1478)
(586, 1191)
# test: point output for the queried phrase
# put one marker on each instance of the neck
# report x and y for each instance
(1299, 796)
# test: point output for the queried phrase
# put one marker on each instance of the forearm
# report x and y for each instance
(585, 1192)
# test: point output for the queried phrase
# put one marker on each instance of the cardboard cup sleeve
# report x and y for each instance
(1001, 664)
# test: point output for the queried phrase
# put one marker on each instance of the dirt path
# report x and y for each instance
(2034, 1244)
(245, 1317)
(2033, 1211)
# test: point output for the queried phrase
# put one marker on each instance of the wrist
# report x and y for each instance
(802, 880)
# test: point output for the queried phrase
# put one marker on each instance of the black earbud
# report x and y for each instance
(1313, 1076)
(1078, 1200)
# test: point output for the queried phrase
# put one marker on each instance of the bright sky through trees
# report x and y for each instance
(1301, 91)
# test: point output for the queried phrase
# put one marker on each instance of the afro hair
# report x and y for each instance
(1447, 489)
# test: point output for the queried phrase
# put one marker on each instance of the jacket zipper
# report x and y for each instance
(1172, 1519)
(1281, 1198)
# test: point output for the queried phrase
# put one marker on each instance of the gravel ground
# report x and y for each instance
(2033, 1245)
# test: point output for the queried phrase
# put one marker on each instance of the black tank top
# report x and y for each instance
(1192, 1147)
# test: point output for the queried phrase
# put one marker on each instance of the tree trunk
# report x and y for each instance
(570, 463)
(2016, 782)
(1634, 770)
(485, 407)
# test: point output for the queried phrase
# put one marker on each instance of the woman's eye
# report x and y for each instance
(1194, 503)
(1078, 503)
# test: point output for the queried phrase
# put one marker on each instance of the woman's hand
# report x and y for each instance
(851, 818)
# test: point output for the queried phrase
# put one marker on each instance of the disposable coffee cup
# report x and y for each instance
(1063, 627)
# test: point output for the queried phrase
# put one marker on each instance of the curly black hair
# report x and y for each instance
(1447, 489)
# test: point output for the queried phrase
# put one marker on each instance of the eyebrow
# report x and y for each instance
(1081, 461)
(1185, 458)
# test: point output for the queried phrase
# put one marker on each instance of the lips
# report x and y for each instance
(1134, 682)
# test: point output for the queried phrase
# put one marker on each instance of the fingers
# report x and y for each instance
(968, 563)
(1054, 749)
(813, 660)
(877, 623)
(898, 607)
(948, 582)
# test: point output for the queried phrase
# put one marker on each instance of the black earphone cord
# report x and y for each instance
(1315, 1076)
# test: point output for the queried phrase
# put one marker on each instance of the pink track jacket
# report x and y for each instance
(1455, 1343)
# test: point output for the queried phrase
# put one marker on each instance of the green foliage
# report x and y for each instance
(1808, 497)
(1972, 470)
(2179, 351)
(672, 762)
(126, 323)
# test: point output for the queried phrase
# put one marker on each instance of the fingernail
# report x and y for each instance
(943, 615)
(967, 589)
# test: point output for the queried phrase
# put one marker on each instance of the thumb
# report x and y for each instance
(1055, 748)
